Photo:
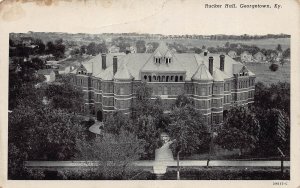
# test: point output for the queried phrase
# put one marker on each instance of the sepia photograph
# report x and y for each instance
(137, 93)
(134, 106)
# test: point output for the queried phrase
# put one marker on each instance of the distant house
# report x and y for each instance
(260, 57)
(232, 54)
(114, 49)
(149, 48)
(48, 73)
(246, 57)
(272, 56)
(131, 49)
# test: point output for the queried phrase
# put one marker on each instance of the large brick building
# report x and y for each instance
(215, 82)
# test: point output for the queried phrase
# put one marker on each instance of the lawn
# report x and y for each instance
(265, 75)
(228, 173)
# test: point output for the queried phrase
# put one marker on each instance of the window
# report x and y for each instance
(149, 77)
(154, 78)
(203, 91)
(158, 78)
(145, 78)
(171, 78)
(167, 78)
(214, 102)
(121, 91)
(215, 90)
(176, 78)
(165, 90)
(159, 90)
(181, 78)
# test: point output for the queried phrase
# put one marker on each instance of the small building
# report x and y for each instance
(232, 54)
(260, 57)
(246, 57)
(48, 73)
(114, 49)
(131, 49)
(149, 48)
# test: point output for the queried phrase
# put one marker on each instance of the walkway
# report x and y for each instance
(95, 128)
(163, 155)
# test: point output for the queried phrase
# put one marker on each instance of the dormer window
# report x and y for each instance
(168, 60)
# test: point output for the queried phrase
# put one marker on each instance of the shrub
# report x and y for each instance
(274, 67)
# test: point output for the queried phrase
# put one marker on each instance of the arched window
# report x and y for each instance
(149, 77)
(158, 78)
(163, 78)
(181, 78)
(159, 60)
(145, 77)
(172, 78)
(167, 78)
(176, 78)
(154, 78)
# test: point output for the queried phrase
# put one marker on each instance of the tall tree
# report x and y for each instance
(65, 96)
(240, 130)
(115, 153)
(141, 47)
(278, 48)
(187, 129)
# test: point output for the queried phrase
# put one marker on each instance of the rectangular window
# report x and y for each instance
(215, 90)
(121, 91)
(203, 91)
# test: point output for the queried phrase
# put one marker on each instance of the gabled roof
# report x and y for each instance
(202, 73)
(259, 53)
(162, 49)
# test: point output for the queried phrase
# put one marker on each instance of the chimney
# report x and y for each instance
(103, 57)
(115, 64)
(222, 62)
(205, 53)
(211, 64)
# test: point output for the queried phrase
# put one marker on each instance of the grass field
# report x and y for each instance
(265, 75)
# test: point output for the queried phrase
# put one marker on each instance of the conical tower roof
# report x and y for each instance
(123, 73)
(202, 73)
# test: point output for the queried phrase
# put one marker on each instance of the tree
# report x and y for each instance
(117, 121)
(115, 153)
(278, 48)
(83, 49)
(268, 137)
(273, 96)
(144, 105)
(41, 46)
(187, 129)
(274, 67)
(145, 127)
(44, 133)
(91, 49)
(286, 53)
(65, 96)
(240, 130)
(140, 46)
(227, 44)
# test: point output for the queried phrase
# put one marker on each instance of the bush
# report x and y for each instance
(274, 67)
